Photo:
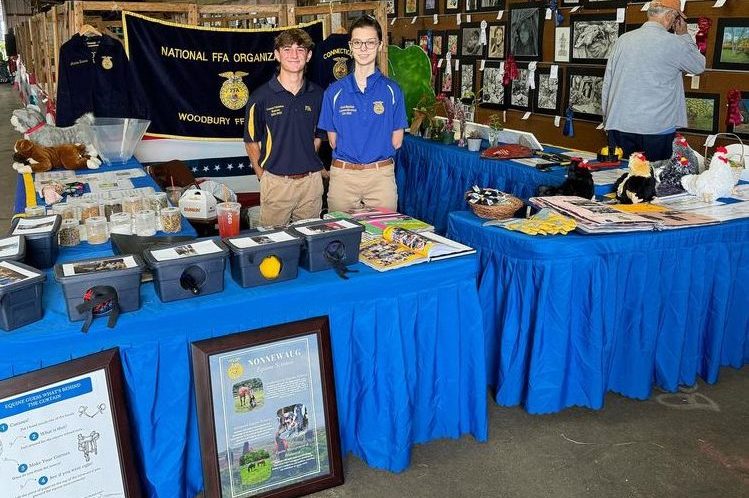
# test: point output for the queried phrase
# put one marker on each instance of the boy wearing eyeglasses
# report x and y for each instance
(280, 139)
(364, 115)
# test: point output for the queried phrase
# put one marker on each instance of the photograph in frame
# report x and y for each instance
(496, 41)
(266, 411)
(411, 7)
(569, 3)
(520, 96)
(742, 130)
(584, 90)
(470, 47)
(562, 44)
(702, 113)
(453, 5)
(593, 37)
(548, 93)
(732, 44)
(526, 31)
(493, 95)
(604, 4)
(78, 427)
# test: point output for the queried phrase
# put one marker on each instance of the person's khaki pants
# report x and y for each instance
(284, 200)
(353, 189)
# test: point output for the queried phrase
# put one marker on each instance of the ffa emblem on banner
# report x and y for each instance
(340, 69)
(106, 62)
(235, 370)
(234, 93)
(378, 108)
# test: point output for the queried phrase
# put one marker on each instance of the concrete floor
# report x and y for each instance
(691, 444)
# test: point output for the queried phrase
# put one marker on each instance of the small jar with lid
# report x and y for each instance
(144, 223)
(121, 223)
(96, 230)
(69, 234)
(89, 210)
(132, 204)
(112, 206)
(171, 219)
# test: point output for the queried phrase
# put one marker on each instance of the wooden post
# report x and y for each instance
(55, 53)
(78, 22)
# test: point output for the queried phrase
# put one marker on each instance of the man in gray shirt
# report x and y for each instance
(643, 92)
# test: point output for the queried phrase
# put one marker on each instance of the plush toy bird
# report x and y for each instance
(638, 185)
(717, 181)
(669, 172)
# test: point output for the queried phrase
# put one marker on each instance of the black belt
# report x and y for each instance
(95, 296)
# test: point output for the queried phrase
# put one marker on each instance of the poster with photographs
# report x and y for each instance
(452, 43)
(604, 4)
(493, 95)
(520, 93)
(430, 7)
(548, 93)
(732, 44)
(489, 5)
(411, 7)
(467, 75)
(64, 432)
(702, 112)
(742, 130)
(391, 7)
(266, 411)
(593, 37)
(452, 5)
(496, 46)
(584, 89)
(526, 30)
(562, 44)
(471, 47)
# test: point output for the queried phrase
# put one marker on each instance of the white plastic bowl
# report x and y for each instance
(116, 138)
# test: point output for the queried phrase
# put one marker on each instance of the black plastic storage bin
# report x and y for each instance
(13, 248)
(20, 294)
(122, 273)
(41, 238)
(326, 241)
(188, 269)
(248, 252)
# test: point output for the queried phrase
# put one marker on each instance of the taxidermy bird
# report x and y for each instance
(717, 181)
(638, 185)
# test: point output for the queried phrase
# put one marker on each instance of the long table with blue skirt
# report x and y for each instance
(407, 357)
(569, 318)
(433, 177)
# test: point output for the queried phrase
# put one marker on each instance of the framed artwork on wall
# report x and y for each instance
(470, 47)
(493, 95)
(430, 7)
(447, 81)
(489, 5)
(437, 41)
(548, 94)
(467, 79)
(605, 4)
(732, 44)
(496, 41)
(593, 37)
(742, 130)
(411, 8)
(408, 42)
(471, 5)
(526, 31)
(391, 8)
(562, 44)
(584, 89)
(519, 94)
(452, 43)
(703, 110)
(452, 5)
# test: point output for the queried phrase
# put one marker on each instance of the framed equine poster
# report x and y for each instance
(266, 411)
(64, 431)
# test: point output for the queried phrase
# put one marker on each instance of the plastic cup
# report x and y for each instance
(174, 193)
(228, 218)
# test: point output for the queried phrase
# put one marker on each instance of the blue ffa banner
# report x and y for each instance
(197, 79)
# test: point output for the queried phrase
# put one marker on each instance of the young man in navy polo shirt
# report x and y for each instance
(280, 135)
(364, 115)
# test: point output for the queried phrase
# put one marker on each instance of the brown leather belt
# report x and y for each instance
(358, 167)
(296, 177)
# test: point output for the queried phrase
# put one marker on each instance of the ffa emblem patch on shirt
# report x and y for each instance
(378, 107)
(106, 62)
(340, 69)
(234, 93)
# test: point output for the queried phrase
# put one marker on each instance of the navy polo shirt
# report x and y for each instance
(363, 121)
(285, 125)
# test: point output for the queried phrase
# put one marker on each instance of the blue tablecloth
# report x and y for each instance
(568, 318)
(407, 354)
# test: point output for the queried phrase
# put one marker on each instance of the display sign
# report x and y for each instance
(64, 432)
(197, 79)
(267, 412)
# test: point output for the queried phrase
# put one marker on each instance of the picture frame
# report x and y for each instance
(725, 56)
(491, 5)
(494, 93)
(410, 8)
(742, 130)
(496, 41)
(428, 7)
(592, 37)
(422, 40)
(391, 8)
(408, 42)
(569, 3)
(239, 384)
(437, 41)
(518, 95)
(447, 82)
(526, 31)
(470, 48)
(467, 81)
(78, 415)
(584, 88)
(471, 5)
(548, 93)
(452, 6)
(562, 44)
(452, 42)
(604, 4)
(703, 111)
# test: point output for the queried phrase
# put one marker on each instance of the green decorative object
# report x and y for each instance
(411, 69)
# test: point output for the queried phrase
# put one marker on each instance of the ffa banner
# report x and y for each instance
(197, 79)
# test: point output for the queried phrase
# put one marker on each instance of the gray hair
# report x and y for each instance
(658, 11)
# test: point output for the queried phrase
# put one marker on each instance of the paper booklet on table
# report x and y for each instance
(398, 248)
(594, 217)
(375, 220)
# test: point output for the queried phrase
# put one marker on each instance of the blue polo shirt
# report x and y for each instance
(363, 121)
(285, 125)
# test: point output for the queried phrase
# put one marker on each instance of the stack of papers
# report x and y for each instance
(593, 216)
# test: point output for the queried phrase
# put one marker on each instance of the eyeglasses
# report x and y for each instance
(359, 44)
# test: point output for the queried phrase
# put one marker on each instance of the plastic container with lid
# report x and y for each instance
(264, 257)
(13, 248)
(329, 242)
(41, 239)
(20, 294)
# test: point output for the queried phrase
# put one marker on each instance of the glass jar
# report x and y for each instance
(171, 220)
(69, 234)
(96, 230)
(157, 201)
(66, 211)
(89, 210)
(121, 223)
(144, 223)
(132, 204)
(111, 207)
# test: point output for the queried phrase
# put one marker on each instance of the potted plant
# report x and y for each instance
(424, 113)
(474, 141)
(495, 126)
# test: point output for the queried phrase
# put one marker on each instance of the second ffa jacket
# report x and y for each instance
(95, 76)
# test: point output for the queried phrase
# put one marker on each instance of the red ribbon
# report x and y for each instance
(704, 24)
(511, 70)
(734, 117)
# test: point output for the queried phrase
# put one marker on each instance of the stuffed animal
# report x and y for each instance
(669, 172)
(31, 122)
(69, 156)
(579, 182)
(717, 181)
(638, 185)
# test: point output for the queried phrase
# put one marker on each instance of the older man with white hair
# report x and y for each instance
(643, 92)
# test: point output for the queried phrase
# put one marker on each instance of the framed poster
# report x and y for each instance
(584, 89)
(391, 8)
(452, 43)
(702, 112)
(732, 44)
(496, 48)
(452, 5)
(467, 79)
(493, 95)
(411, 8)
(742, 130)
(471, 5)
(562, 44)
(437, 41)
(266, 411)
(526, 30)
(71, 423)
(491, 5)
(604, 4)
(548, 94)
(519, 93)
(593, 37)
(446, 81)
(423, 39)
(430, 7)
(569, 3)
(471, 48)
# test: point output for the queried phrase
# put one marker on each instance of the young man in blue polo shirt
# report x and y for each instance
(364, 115)
(280, 135)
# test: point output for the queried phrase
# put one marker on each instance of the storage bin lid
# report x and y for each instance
(319, 229)
(186, 253)
(36, 227)
(95, 268)
(12, 248)
(257, 241)
(15, 275)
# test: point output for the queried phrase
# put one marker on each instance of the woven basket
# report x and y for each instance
(497, 211)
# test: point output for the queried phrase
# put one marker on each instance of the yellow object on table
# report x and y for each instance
(545, 222)
(270, 267)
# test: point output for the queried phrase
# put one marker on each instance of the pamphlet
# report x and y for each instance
(186, 250)
(258, 240)
(11, 274)
(375, 220)
(9, 246)
(594, 217)
(107, 264)
(34, 225)
(325, 226)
